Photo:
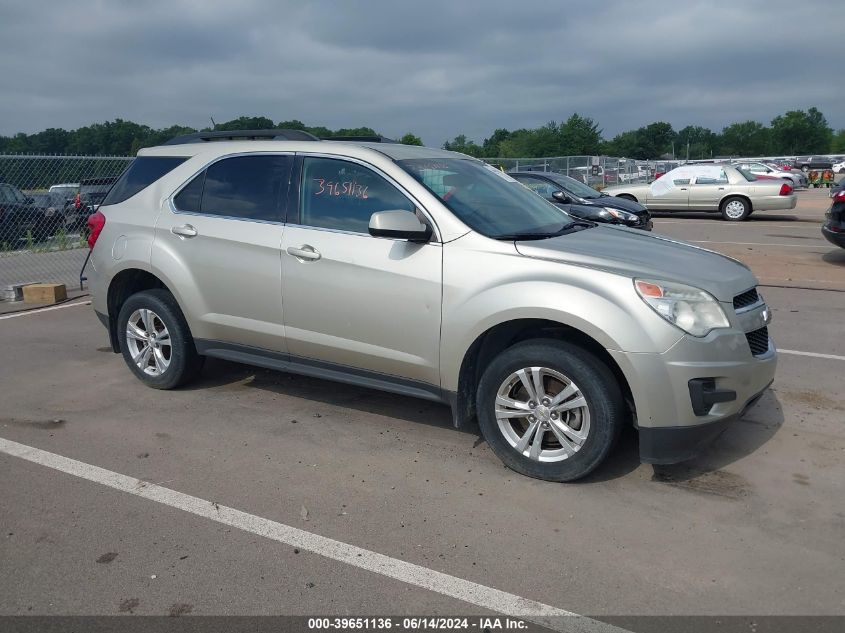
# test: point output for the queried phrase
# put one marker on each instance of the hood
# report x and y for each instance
(618, 203)
(633, 253)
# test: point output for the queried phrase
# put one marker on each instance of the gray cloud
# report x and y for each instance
(438, 68)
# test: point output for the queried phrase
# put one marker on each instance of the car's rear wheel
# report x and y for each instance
(735, 209)
(155, 340)
(549, 409)
(805, 168)
(627, 196)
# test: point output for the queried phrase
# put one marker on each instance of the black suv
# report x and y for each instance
(806, 163)
(19, 215)
(581, 201)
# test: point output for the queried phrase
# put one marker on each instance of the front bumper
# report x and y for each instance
(673, 444)
(673, 421)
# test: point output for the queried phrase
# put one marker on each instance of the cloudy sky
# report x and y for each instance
(434, 67)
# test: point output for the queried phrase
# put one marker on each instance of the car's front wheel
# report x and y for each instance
(549, 409)
(155, 340)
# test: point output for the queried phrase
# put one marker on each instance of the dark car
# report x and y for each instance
(52, 205)
(21, 216)
(834, 227)
(806, 163)
(91, 193)
(581, 201)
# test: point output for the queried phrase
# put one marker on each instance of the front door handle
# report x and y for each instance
(304, 253)
(185, 230)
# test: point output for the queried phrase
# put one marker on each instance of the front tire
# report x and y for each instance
(735, 209)
(155, 340)
(627, 196)
(549, 409)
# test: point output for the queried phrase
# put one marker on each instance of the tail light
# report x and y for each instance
(77, 202)
(96, 222)
(840, 196)
(785, 189)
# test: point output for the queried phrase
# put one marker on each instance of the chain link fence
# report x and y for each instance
(596, 171)
(45, 202)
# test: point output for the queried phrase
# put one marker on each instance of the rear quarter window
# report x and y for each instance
(143, 172)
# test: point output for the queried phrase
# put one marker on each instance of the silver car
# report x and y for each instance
(795, 177)
(431, 275)
(734, 193)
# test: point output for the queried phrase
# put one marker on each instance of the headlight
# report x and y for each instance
(694, 311)
(608, 213)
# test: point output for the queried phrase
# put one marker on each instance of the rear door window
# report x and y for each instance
(241, 187)
(143, 172)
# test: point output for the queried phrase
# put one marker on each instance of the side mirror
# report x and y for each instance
(402, 225)
(560, 196)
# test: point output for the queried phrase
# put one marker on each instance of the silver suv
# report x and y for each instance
(431, 275)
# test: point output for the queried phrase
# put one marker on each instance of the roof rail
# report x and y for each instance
(232, 135)
(360, 139)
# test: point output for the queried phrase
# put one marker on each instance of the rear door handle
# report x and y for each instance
(304, 253)
(185, 230)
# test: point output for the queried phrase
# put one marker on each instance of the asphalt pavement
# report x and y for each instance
(122, 499)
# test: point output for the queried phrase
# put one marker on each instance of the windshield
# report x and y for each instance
(486, 199)
(574, 186)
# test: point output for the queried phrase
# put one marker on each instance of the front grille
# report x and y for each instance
(758, 341)
(747, 298)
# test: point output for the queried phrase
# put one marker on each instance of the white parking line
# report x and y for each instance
(821, 244)
(438, 582)
(737, 225)
(15, 315)
(811, 354)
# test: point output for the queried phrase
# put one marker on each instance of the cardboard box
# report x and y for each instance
(44, 293)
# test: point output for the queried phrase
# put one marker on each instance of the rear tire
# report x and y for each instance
(569, 428)
(155, 340)
(735, 209)
(627, 196)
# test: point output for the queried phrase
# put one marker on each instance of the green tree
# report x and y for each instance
(837, 145)
(749, 138)
(696, 142)
(461, 144)
(651, 141)
(410, 139)
(799, 132)
(491, 145)
(247, 123)
(579, 136)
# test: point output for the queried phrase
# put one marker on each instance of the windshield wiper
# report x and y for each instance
(570, 227)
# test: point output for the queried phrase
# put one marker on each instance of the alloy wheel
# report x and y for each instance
(542, 414)
(148, 341)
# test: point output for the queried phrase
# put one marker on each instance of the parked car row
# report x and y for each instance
(39, 215)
